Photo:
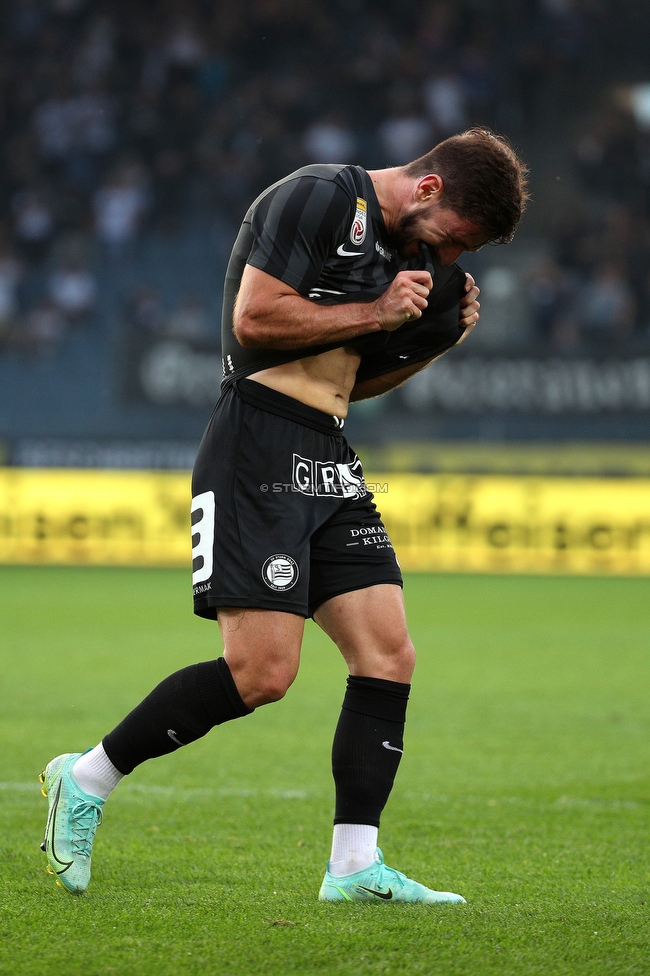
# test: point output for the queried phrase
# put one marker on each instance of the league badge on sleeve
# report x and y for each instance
(360, 222)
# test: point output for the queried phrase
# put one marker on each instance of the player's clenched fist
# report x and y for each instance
(469, 307)
(404, 299)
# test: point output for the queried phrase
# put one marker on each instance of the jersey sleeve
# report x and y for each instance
(296, 226)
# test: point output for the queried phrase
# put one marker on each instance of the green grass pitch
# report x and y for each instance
(525, 786)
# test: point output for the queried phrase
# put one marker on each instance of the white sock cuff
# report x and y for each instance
(96, 774)
(354, 848)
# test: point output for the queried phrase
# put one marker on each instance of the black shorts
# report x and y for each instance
(281, 515)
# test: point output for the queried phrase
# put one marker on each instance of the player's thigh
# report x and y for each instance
(262, 649)
(369, 628)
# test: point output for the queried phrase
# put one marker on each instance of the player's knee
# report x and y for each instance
(272, 689)
(402, 656)
(395, 659)
(271, 685)
(392, 657)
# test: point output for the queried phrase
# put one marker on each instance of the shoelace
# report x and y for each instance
(86, 818)
(397, 875)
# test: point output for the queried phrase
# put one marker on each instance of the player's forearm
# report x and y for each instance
(379, 385)
(384, 384)
(293, 322)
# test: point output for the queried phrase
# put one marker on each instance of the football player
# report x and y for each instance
(341, 285)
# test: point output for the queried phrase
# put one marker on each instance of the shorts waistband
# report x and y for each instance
(263, 397)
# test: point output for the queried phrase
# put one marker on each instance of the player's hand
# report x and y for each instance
(404, 300)
(469, 307)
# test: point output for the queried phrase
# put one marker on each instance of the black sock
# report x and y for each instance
(181, 709)
(368, 746)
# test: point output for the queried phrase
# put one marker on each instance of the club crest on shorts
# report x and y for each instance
(359, 224)
(280, 572)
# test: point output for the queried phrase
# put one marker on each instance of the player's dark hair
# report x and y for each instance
(484, 180)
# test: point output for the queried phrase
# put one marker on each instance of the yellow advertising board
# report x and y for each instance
(444, 522)
(104, 518)
(515, 524)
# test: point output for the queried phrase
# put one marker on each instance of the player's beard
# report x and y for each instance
(403, 236)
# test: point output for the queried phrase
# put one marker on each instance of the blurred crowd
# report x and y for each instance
(594, 287)
(127, 117)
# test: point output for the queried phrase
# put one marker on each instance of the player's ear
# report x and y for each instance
(429, 188)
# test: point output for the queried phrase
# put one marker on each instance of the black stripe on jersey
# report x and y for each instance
(288, 225)
(284, 206)
(327, 214)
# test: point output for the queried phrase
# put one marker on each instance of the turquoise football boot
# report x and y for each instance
(73, 818)
(381, 883)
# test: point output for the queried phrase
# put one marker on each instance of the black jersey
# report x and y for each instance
(321, 231)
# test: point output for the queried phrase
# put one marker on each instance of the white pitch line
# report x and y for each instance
(522, 801)
(20, 787)
(198, 791)
(179, 792)
(192, 793)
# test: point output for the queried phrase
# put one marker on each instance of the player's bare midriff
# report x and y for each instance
(323, 382)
